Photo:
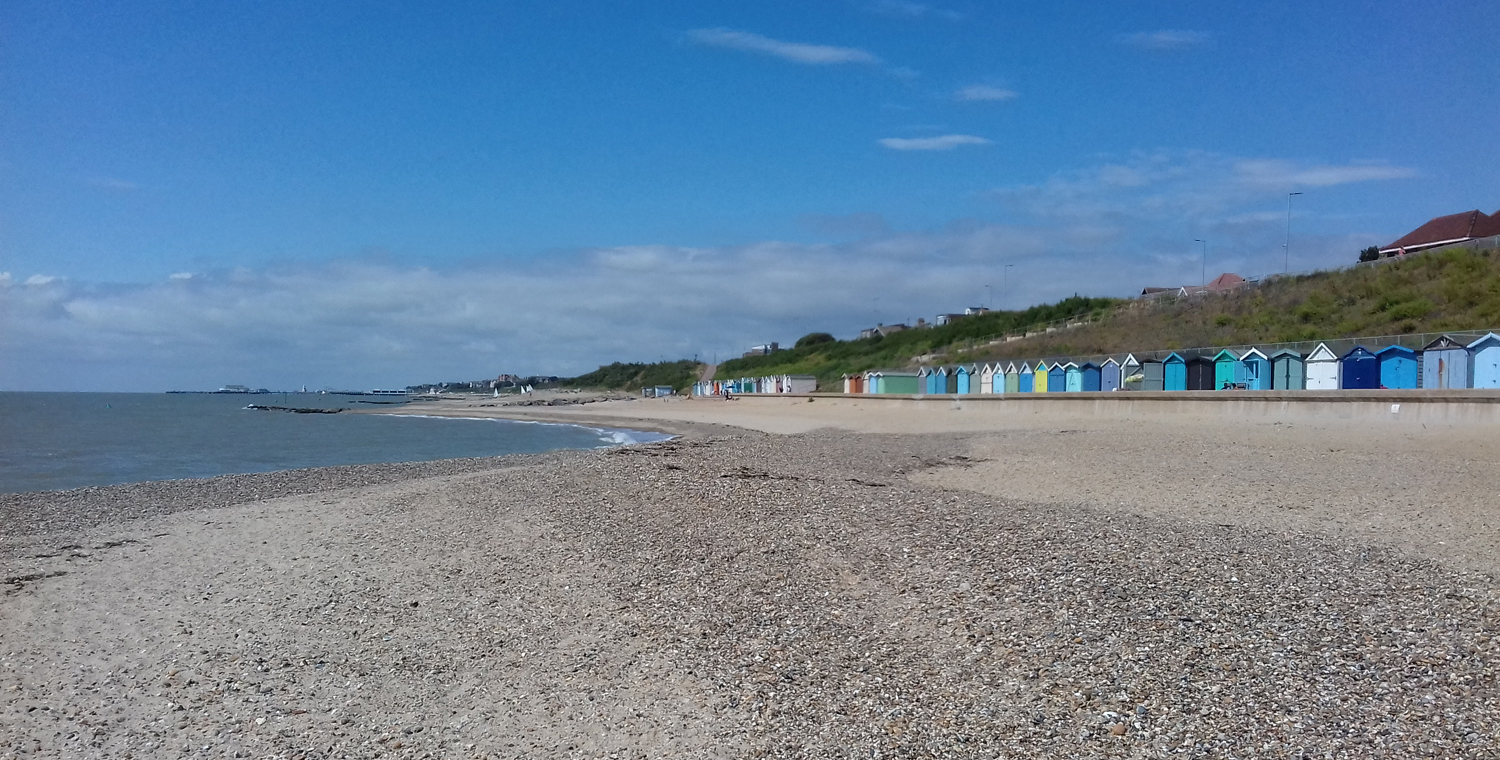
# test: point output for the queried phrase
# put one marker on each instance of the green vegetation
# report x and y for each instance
(631, 377)
(829, 360)
(1433, 292)
(813, 339)
(1369, 254)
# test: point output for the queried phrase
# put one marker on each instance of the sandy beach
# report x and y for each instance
(786, 579)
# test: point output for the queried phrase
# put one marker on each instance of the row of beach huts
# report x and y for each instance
(1446, 362)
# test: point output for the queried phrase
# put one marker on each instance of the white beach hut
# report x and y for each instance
(1322, 366)
(987, 379)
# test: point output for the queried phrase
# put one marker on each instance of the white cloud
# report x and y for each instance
(1165, 40)
(908, 10)
(180, 276)
(983, 92)
(797, 52)
(1278, 174)
(942, 142)
(4, 279)
(41, 279)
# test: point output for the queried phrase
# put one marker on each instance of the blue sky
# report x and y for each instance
(366, 194)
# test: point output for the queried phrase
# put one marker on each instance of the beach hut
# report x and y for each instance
(1025, 379)
(1092, 376)
(1226, 369)
(1286, 371)
(1174, 373)
(1153, 375)
(1322, 367)
(1072, 377)
(1130, 367)
(1445, 364)
(1360, 370)
(961, 379)
(1012, 378)
(1040, 378)
(801, 383)
(896, 381)
(1109, 375)
(1200, 373)
(987, 375)
(1255, 369)
(950, 379)
(926, 380)
(1398, 367)
(1484, 362)
(1057, 378)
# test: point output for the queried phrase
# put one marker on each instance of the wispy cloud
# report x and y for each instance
(1165, 40)
(797, 52)
(983, 92)
(941, 142)
(1281, 174)
(906, 10)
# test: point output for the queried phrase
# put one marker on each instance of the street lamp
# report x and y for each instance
(1286, 247)
(1203, 273)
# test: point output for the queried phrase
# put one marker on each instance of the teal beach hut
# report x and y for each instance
(1286, 371)
(1025, 380)
(1445, 364)
(1484, 362)
(1398, 367)
(1174, 373)
(1226, 370)
(1072, 378)
(1255, 370)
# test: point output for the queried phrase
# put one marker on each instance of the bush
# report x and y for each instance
(813, 339)
(1369, 254)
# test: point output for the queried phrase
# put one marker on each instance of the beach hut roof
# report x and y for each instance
(1110, 360)
(1358, 351)
(1395, 350)
(1444, 342)
(1086, 365)
(1226, 354)
(1026, 370)
(1286, 352)
(895, 373)
(1487, 339)
(1129, 360)
(1322, 354)
(1174, 356)
(1010, 369)
(1069, 364)
(1041, 365)
(1253, 352)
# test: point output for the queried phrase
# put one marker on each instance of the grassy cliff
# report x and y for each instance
(633, 377)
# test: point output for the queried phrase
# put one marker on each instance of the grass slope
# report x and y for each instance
(633, 377)
(830, 360)
(1448, 291)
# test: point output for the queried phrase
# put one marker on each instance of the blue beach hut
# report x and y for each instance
(1484, 362)
(1109, 375)
(1091, 376)
(1398, 367)
(1057, 378)
(1255, 370)
(1025, 380)
(1445, 364)
(1226, 365)
(1174, 373)
(927, 380)
(961, 378)
(1359, 369)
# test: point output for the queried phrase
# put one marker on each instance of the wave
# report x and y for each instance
(609, 437)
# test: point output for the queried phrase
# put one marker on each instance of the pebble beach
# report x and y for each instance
(811, 592)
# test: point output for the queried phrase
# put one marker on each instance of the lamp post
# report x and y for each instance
(1203, 272)
(1286, 248)
(990, 297)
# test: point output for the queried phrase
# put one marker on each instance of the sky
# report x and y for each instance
(373, 194)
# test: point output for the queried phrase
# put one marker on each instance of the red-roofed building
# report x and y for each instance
(1445, 230)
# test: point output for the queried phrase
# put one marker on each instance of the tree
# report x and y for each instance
(813, 339)
(1369, 254)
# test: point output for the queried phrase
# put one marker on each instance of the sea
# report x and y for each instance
(51, 441)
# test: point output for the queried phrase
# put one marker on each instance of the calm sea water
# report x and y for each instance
(68, 440)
